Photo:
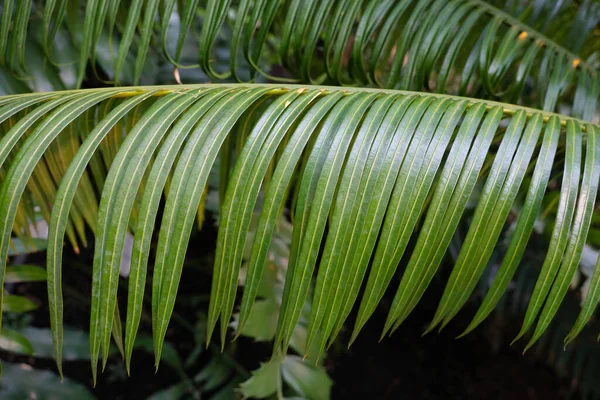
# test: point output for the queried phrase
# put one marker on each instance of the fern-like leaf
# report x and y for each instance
(364, 171)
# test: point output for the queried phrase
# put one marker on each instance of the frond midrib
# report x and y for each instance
(278, 88)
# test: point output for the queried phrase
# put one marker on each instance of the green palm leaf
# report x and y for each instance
(363, 171)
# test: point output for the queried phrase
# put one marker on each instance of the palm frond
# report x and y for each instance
(536, 55)
(371, 178)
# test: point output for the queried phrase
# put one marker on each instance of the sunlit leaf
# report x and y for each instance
(14, 341)
(17, 304)
(24, 273)
(264, 381)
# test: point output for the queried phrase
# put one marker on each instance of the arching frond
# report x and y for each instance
(533, 54)
(373, 179)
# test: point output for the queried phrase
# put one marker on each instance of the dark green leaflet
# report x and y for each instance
(407, 44)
